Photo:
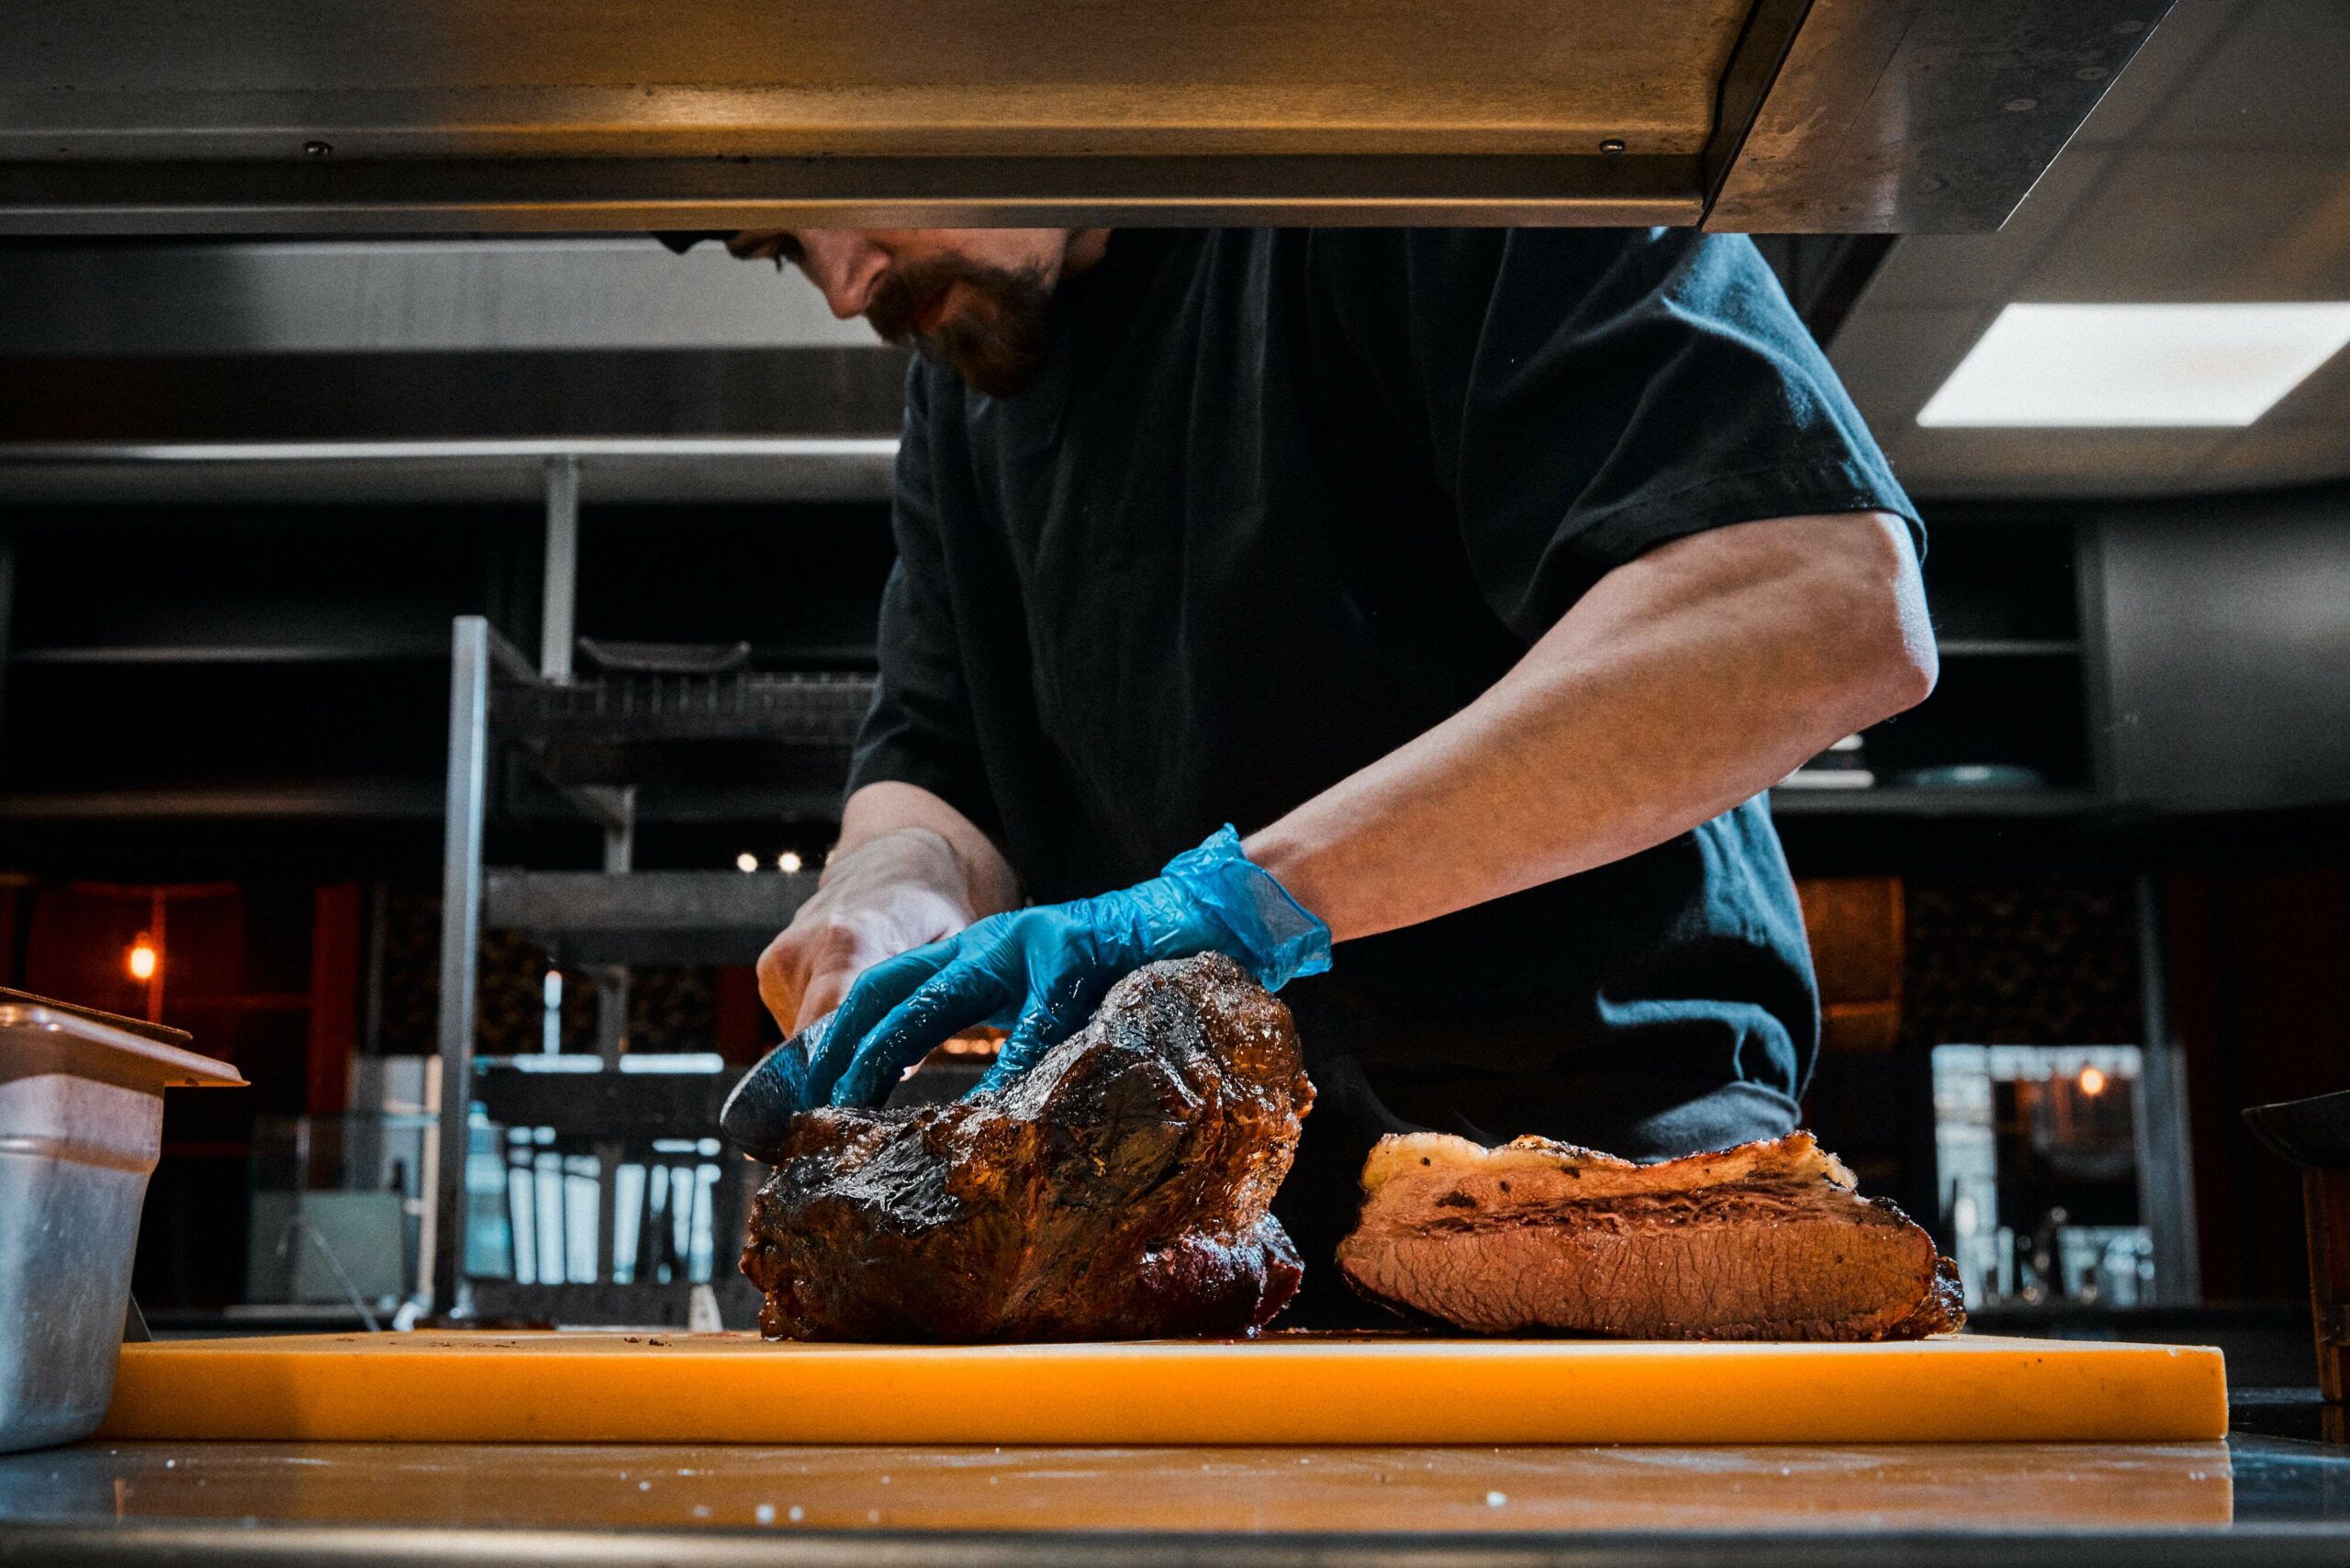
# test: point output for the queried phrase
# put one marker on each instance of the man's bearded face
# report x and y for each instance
(991, 326)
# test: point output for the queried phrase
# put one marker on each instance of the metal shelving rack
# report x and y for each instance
(589, 739)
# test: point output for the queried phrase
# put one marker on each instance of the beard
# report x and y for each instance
(998, 343)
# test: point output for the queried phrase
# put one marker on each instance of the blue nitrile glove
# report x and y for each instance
(1040, 972)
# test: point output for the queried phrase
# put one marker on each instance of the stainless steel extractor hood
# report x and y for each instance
(409, 115)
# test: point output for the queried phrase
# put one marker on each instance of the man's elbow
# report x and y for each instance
(1905, 679)
(1895, 664)
(1908, 665)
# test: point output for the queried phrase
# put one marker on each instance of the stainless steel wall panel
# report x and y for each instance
(623, 395)
(285, 297)
(2227, 652)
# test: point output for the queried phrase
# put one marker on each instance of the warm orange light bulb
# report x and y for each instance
(2092, 1081)
(143, 959)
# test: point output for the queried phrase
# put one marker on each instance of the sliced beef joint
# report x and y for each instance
(1120, 1189)
(1763, 1241)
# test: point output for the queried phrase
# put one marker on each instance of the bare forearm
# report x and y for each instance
(1679, 685)
(911, 826)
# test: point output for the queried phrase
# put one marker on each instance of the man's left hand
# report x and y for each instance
(1040, 972)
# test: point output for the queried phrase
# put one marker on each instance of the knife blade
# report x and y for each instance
(757, 1113)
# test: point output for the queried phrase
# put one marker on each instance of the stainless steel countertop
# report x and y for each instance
(2256, 1498)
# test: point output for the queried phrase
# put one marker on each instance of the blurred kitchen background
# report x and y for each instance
(2070, 915)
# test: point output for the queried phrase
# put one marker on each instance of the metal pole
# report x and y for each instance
(611, 980)
(2167, 1157)
(620, 830)
(560, 586)
(460, 941)
(611, 1028)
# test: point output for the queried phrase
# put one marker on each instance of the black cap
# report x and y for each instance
(684, 240)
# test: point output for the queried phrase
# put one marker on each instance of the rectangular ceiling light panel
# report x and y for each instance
(2137, 365)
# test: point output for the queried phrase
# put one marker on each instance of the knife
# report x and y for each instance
(757, 1118)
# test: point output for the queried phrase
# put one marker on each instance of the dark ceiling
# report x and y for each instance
(2217, 169)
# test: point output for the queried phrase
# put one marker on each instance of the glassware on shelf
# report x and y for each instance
(336, 1207)
(2038, 1156)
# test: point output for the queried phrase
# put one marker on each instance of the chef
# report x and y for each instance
(1417, 617)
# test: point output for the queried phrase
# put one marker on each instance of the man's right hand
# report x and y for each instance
(889, 894)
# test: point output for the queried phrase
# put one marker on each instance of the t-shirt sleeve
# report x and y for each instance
(1587, 395)
(919, 730)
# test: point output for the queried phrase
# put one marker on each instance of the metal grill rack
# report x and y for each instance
(682, 732)
(596, 740)
(797, 710)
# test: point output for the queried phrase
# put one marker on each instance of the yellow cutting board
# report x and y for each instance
(662, 1387)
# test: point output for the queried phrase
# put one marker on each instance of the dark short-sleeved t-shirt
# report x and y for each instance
(1283, 500)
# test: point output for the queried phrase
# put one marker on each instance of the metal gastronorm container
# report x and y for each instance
(81, 1126)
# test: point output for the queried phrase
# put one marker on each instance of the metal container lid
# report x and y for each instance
(2313, 1132)
(35, 1033)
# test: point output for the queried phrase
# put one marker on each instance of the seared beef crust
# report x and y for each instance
(1120, 1189)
